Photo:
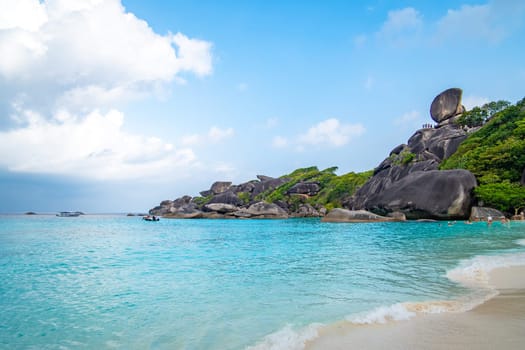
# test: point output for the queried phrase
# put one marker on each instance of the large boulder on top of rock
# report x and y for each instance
(345, 215)
(446, 105)
(431, 194)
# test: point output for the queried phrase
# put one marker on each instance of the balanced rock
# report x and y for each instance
(345, 215)
(446, 105)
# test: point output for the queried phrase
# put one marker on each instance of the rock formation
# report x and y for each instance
(427, 195)
(446, 105)
(483, 214)
(405, 180)
(407, 184)
(344, 215)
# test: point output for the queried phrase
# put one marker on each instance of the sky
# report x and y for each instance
(116, 105)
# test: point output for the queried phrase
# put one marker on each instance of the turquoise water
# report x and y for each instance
(120, 282)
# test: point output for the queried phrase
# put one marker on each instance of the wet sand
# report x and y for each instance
(498, 323)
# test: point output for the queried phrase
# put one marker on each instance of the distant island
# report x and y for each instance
(465, 165)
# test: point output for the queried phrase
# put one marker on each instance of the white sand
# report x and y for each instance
(497, 324)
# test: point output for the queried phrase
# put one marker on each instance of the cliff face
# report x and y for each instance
(408, 180)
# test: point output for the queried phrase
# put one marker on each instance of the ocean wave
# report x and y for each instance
(288, 338)
(474, 273)
(520, 242)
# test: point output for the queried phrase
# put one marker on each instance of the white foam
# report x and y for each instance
(520, 241)
(474, 273)
(383, 314)
(288, 339)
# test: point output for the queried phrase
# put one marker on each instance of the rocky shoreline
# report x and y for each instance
(406, 185)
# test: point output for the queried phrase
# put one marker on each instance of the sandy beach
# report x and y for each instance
(499, 323)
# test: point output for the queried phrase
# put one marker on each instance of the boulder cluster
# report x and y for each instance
(224, 200)
(406, 185)
(408, 180)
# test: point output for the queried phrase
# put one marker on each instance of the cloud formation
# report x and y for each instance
(330, 132)
(65, 66)
(491, 22)
(214, 135)
(92, 146)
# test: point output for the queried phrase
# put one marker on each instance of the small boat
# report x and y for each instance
(150, 218)
(69, 214)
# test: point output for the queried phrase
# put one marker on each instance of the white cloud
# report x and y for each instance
(468, 21)
(217, 134)
(474, 101)
(214, 135)
(327, 133)
(93, 146)
(489, 22)
(401, 26)
(279, 142)
(24, 14)
(63, 47)
(271, 123)
(410, 120)
(65, 65)
(331, 132)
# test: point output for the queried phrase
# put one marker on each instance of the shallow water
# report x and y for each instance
(120, 282)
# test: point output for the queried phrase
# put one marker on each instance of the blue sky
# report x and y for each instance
(113, 106)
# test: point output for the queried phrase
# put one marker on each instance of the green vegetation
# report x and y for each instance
(334, 189)
(478, 116)
(202, 200)
(495, 154)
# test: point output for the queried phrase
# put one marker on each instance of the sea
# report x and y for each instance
(118, 282)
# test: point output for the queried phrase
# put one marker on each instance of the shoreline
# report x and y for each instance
(497, 322)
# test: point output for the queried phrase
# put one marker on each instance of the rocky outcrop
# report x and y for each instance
(446, 105)
(523, 178)
(267, 184)
(305, 211)
(227, 198)
(427, 194)
(264, 210)
(345, 215)
(410, 169)
(217, 188)
(483, 214)
(306, 188)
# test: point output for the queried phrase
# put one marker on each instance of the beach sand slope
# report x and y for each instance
(498, 323)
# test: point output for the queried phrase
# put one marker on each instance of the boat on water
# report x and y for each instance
(150, 218)
(69, 214)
